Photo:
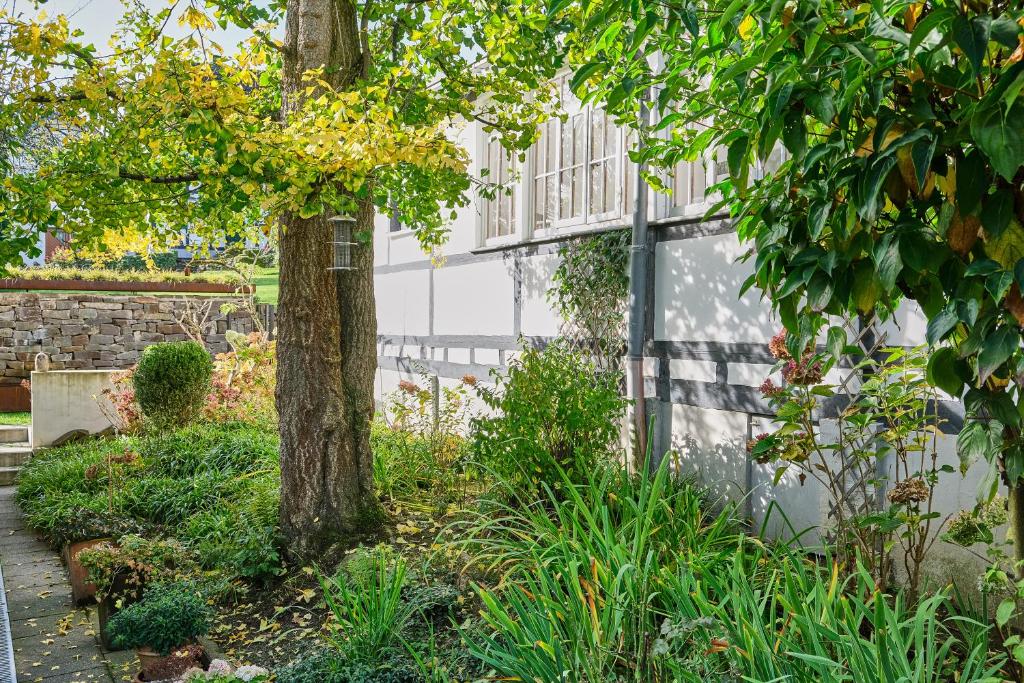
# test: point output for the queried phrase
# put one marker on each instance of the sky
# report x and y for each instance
(98, 18)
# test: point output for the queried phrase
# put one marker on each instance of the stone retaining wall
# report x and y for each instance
(88, 331)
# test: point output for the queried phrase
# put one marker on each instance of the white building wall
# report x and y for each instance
(463, 309)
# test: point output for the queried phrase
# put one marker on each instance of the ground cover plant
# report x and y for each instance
(106, 274)
(18, 418)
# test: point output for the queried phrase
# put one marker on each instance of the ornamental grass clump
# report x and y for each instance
(583, 573)
(172, 381)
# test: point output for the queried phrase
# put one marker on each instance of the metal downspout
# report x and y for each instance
(639, 263)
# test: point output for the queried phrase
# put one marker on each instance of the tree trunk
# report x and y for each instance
(326, 335)
(1016, 513)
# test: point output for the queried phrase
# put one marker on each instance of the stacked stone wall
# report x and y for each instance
(88, 331)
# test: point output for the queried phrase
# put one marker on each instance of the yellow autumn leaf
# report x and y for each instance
(747, 27)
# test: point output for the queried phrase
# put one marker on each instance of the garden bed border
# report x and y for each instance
(35, 285)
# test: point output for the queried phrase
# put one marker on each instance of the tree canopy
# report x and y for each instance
(903, 130)
(164, 133)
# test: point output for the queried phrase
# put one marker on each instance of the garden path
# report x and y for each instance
(53, 641)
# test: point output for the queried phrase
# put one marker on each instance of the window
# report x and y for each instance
(500, 212)
(577, 168)
(604, 158)
(689, 182)
(545, 169)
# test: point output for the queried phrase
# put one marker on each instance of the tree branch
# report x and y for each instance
(159, 180)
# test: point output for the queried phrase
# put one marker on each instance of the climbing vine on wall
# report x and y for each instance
(589, 290)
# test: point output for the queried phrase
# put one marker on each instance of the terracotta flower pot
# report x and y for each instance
(155, 666)
(82, 591)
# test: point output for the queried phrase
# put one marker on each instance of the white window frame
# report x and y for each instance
(571, 108)
(516, 198)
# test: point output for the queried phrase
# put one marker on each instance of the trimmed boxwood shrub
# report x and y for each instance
(169, 615)
(172, 381)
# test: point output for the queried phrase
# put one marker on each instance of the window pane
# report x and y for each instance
(552, 201)
(611, 147)
(681, 184)
(597, 188)
(512, 211)
(565, 194)
(539, 202)
(567, 145)
(579, 141)
(504, 217)
(597, 135)
(552, 146)
(700, 181)
(577, 191)
(611, 185)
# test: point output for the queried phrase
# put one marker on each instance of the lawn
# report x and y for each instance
(265, 279)
(24, 418)
(266, 282)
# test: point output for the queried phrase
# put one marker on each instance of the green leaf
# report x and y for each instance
(835, 342)
(1006, 31)
(1001, 138)
(932, 21)
(996, 212)
(921, 154)
(310, 210)
(971, 182)
(584, 73)
(998, 284)
(1005, 612)
(942, 372)
(996, 350)
(819, 291)
(1007, 248)
(869, 187)
(983, 266)
(976, 441)
(887, 261)
(940, 325)
(972, 37)
(817, 216)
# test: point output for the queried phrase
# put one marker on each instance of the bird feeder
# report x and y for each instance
(342, 242)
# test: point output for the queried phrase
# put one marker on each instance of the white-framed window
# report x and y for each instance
(689, 185)
(545, 177)
(576, 169)
(499, 212)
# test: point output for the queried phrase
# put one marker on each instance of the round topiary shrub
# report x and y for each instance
(172, 381)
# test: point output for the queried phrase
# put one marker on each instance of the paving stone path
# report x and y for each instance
(53, 641)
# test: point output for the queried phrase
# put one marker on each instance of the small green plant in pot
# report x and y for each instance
(170, 617)
(172, 381)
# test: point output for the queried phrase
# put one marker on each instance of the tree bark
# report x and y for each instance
(326, 336)
(1016, 515)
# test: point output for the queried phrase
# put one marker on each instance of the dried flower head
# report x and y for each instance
(408, 387)
(469, 380)
(777, 346)
(769, 389)
(803, 373)
(913, 490)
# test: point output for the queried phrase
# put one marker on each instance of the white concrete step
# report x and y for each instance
(13, 434)
(14, 454)
(8, 475)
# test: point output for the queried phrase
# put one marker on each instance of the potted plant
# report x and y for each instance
(79, 529)
(120, 572)
(163, 628)
(85, 528)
